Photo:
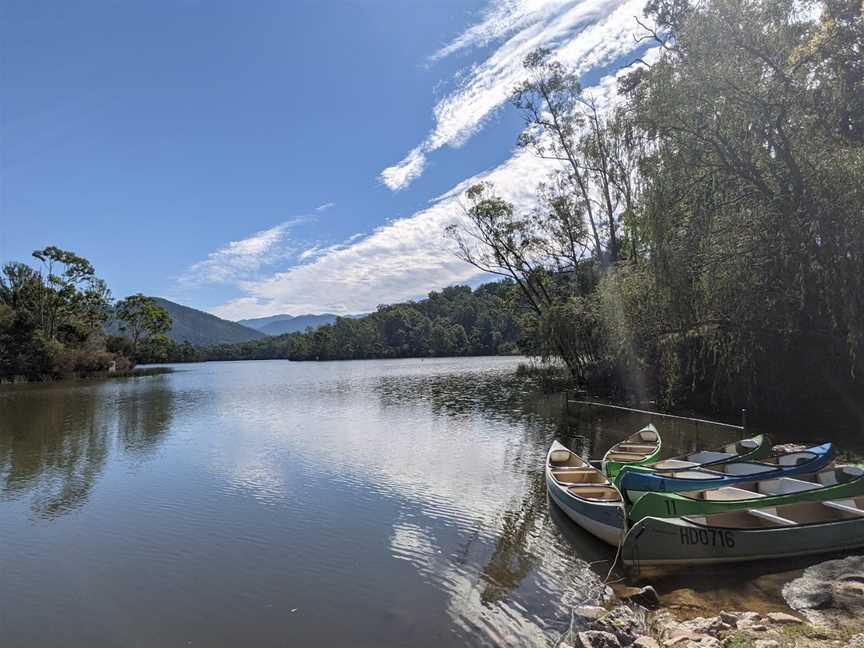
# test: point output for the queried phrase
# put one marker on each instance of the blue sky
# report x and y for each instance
(256, 158)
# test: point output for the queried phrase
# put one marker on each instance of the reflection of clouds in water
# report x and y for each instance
(458, 455)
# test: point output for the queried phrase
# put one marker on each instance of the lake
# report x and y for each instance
(378, 503)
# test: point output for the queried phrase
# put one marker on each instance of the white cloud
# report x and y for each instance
(583, 34)
(239, 259)
(409, 257)
(402, 174)
(325, 206)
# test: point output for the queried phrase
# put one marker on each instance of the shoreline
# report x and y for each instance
(820, 605)
(98, 375)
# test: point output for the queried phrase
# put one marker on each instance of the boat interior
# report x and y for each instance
(701, 457)
(780, 486)
(634, 448)
(580, 478)
(769, 464)
(787, 515)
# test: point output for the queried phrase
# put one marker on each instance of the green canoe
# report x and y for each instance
(836, 483)
(750, 449)
(639, 449)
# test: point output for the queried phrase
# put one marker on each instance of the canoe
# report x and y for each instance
(839, 482)
(799, 529)
(641, 448)
(633, 484)
(744, 450)
(585, 495)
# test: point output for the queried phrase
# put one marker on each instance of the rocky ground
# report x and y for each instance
(825, 609)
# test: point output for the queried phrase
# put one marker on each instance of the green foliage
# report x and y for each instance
(51, 321)
(451, 322)
(702, 244)
(145, 323)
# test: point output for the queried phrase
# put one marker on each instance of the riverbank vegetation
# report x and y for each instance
(53, 317)
(702, 242)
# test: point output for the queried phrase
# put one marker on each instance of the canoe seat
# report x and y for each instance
(730, 494)
(695, 474)
(707, 456)
(674, 463)
(593, 493)
(559, 456)
(769, 516)
(590, 476)
(648, 435)
(625, 456)
(786, 485)
(846, 506)
(634, 446)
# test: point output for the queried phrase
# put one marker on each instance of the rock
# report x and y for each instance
(596, 639)
(848, 595)
(645, 642)
(759, 627)
(646, 596)
(624, 622)
(855, 640)
(729, 618)
(747, 620)
(782, 618)
(766, 643)
(589, 612)
(710, 626)
(833, 584)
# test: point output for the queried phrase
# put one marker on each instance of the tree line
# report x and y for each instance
(455, 321)
(702, 241)
(53, 317)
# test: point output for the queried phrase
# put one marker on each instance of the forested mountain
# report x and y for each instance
(454, 321)
(203, 329)
(281, 324)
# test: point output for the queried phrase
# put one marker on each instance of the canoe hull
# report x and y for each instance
(653, 482)
(676, 541)
(664, 505)
(603, 520)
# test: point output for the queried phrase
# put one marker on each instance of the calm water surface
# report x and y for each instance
(272, 503)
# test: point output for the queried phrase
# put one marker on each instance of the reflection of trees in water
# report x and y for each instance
(144, 418)
(501, 395)
(512, 559)
(55, 442)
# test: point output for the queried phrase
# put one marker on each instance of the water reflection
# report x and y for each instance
(55, 441)
(391, 502)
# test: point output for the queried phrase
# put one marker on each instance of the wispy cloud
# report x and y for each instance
(325, 206)
(402, 260)
(583, 34)
(238, 260)
(409, 257)
(402, 174)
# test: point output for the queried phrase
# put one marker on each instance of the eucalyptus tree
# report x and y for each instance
(143, 321)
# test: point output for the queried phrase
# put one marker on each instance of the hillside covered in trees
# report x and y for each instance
(455, 321)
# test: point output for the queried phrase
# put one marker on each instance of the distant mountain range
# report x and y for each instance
(281, 324)
(203, 329)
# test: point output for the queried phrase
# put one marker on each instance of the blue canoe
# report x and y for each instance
(635, 484)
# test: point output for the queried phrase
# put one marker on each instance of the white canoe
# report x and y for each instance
(798, 529)
(585, 495)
